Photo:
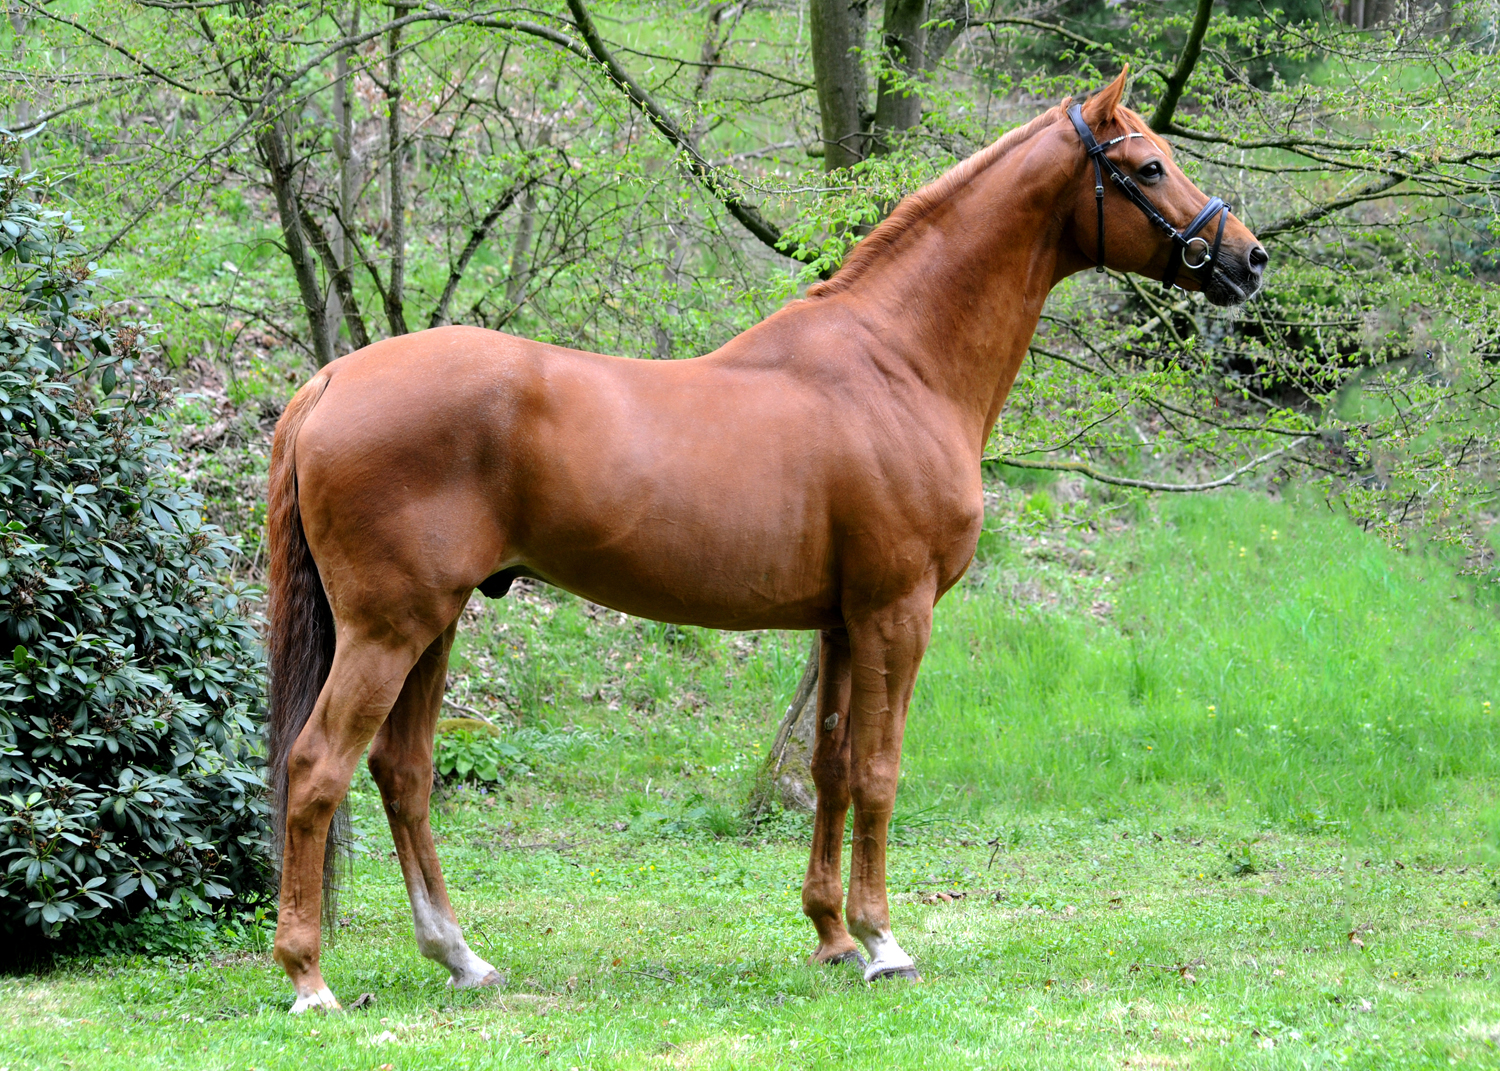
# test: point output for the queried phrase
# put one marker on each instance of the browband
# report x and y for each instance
(1182, 240)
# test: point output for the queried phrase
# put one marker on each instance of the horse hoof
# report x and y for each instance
(322, 1000)
(493, 978)
(908, 973)
(850, 956)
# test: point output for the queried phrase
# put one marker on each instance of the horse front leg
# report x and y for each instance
(823, 887)
(401, 764)
(363, 682)
(887, 647)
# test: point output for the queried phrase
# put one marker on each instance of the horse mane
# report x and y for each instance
(914, 207)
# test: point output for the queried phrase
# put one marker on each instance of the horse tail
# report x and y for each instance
(300, 639)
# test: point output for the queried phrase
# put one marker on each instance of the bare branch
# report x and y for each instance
(748, 215)
(1312, 215)
(476, 239)
(1149, 485)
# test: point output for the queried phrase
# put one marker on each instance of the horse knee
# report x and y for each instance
(831, 776)
(314, 790)
(873, 786)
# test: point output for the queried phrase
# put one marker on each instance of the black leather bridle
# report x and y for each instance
(1183, 241)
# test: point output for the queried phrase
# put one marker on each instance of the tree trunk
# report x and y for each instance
(274, 146)
(786, 774)
(838, 33)
(18, 24)
(898, 106)
(520, 255)
(952, 18)
(676, 250)
(395, 313)
(343, 150)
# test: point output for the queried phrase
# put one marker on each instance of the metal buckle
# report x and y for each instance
(1207, 253)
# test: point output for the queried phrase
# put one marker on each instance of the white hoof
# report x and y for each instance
(323, 1000)
(888, 960)
(481, 975)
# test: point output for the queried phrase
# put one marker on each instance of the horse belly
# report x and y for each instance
(674, 511)
(699, 565)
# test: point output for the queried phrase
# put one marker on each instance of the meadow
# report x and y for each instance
(1207, 783)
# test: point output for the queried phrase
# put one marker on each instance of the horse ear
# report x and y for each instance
(1100, 108)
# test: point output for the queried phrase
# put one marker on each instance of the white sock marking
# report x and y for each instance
(321, 1000)
(440, 939)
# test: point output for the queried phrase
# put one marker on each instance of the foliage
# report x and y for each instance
(129, 778)
(533, 197)
(470, 749)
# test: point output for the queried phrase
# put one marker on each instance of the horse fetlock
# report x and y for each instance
(297, 955)
(440, 939)
(838, 949)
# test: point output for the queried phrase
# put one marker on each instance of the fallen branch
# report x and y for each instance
(770, 773)
(1092, 473)
(468, 711)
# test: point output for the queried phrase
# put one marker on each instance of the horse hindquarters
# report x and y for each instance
(328, 699)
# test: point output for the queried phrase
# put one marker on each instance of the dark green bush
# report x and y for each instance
(130, 684)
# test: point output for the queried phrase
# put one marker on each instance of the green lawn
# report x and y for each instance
(1172, 768)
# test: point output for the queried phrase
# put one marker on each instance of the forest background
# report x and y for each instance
(272, 185)
(278, 183)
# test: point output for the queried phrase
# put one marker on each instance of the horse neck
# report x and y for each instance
(957, 297)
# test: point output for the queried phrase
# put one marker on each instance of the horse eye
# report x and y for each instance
(1152, 170)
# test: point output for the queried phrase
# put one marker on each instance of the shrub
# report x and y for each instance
(470, 749)
(130, 779)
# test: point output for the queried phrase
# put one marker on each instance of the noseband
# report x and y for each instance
(1185, 242)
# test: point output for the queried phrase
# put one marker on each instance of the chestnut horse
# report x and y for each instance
(820, 471)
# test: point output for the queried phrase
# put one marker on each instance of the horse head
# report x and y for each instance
(1141, 214)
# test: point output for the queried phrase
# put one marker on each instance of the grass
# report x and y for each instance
(1259, 658)
(1300, 876)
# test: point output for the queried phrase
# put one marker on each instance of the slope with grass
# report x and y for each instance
(1262, 658)
(1212, 789)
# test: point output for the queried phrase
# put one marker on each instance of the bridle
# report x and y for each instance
(1183, 241)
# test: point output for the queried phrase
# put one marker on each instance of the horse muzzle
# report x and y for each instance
(1236, 279)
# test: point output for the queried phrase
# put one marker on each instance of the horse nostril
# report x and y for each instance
(1259, 258)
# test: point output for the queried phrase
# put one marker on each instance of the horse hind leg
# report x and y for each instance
(401, 763)
(361, 686)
